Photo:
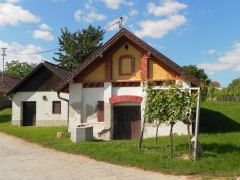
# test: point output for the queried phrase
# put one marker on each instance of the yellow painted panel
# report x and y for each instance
(157, 72)
(96, 75)
(126, 63)
(125, 68)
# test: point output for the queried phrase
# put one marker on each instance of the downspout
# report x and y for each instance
(8, 97)
(58, 93)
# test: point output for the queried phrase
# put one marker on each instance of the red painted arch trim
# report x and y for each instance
(124, 99)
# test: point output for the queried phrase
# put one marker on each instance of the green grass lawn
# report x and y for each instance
(221, 146)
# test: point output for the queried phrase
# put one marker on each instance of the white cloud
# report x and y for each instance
(88, 6)
(166, 8)
(77, 15)
(11, 14)
(90, 16)
(128, 3)
(93, 16)
(230, 60)
(212, 67)
(14, 47)
(44, 35)
(13, 1)
(45, 27)
(232, 56)
(133, 12)
(113, 4)
(159, 28)
(211, 51)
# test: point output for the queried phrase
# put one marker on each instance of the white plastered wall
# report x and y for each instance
(75, 104)
(44, 116)
(83, 107)
(83, 102)
(134, 91)
(90, 98)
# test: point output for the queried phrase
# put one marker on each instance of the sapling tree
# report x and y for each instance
(189, 105)
(174, 100)
(155, 108)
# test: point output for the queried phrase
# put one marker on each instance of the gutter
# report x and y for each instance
(8, 97)
(58, 93)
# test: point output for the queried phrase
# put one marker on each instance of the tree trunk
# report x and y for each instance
(157, 133)
(141, 136)
(171, 141)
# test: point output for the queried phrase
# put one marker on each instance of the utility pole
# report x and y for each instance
(3, 55)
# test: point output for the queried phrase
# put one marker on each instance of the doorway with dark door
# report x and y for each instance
(29, 113)
(127, 122)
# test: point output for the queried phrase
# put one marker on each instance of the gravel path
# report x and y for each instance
(22, 160)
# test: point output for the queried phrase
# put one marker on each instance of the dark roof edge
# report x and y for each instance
(13, 89)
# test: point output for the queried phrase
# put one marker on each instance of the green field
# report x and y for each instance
(220, 139)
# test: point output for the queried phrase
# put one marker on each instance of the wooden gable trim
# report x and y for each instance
(121, 36)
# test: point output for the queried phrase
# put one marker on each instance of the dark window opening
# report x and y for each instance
(100, 111)
(56, 107)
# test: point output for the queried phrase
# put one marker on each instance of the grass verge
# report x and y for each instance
(221, 155)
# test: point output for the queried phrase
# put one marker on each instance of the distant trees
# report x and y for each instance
(230, 93)
(77, 46)
(17, 68)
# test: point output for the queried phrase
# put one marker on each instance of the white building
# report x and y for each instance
(34, 103)
(106, 90)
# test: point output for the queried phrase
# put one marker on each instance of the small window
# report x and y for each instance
(100, 111)
(56, 108)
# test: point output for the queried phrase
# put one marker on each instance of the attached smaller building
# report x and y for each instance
(34, 103)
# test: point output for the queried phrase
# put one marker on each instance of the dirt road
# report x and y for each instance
(23, 160)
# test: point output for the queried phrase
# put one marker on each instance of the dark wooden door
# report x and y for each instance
(127, 122)
(29, 113)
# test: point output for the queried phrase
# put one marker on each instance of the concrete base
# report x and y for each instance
(80, 134)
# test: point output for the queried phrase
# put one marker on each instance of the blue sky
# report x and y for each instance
(190, 32)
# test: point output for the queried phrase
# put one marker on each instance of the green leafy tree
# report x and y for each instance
(77, 46)
(234, 88)
(155, 99)
(210, 92)
(17, 68)
(200, 74)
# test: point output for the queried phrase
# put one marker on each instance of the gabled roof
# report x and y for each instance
(8, 82)
(124, 33)
(55, 69)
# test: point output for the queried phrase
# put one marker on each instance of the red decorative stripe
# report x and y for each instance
(125, 98)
